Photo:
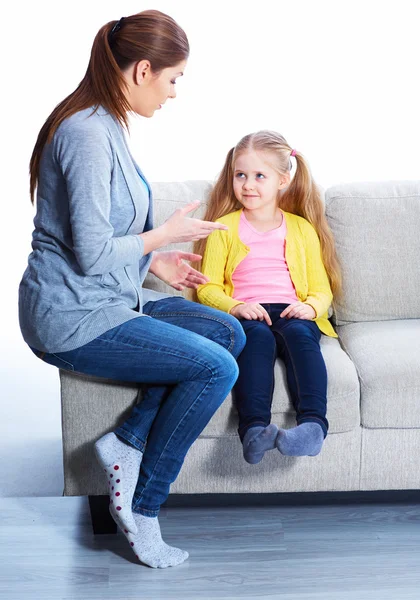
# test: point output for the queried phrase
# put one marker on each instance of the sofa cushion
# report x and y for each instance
(376, 230)
(387, 359)
(343, 397)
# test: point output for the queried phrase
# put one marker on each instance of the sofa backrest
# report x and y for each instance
(376, 227)
(167, 197)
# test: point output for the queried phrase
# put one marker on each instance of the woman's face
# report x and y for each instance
(147, 91)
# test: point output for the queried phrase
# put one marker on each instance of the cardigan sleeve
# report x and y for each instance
(319, 290)
(85, 157)
(214, 266)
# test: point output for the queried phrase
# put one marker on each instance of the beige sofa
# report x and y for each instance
(373, 369)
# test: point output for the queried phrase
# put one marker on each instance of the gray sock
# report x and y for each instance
(149, 547)
(121, 464)
(256, 442)
(304, 440)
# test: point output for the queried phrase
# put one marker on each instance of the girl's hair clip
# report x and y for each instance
(293, 153)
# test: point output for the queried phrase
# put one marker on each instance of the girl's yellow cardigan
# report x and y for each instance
(225, 250)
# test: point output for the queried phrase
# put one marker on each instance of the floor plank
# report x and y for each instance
(345, 552)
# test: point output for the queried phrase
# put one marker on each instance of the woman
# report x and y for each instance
(81, 302)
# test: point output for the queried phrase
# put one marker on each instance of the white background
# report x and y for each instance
(340, 80)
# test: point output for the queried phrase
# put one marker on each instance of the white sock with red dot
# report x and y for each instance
(121, 464)
(149, 547)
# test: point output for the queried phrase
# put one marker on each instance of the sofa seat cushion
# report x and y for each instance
(387, 358)
(343, 396)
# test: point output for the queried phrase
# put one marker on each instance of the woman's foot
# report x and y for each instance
(257, 441)
(304, 440)
(121, 464)
(149, 547)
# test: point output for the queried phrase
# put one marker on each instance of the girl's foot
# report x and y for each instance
(121, 464)
(304, 440)
(257, 441)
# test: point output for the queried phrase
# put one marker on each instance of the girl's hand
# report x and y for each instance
(180, 228)
(299, 310)
(251, 311)
(171, 268)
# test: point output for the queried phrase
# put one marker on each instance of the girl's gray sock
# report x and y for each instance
(304, 440)
(257, 441)
(121, 464)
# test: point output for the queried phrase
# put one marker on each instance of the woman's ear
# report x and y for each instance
(141, 72)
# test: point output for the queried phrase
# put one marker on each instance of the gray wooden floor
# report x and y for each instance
(351, 552)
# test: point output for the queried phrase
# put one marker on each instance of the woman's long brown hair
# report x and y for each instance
(301, 197)
(149, 35)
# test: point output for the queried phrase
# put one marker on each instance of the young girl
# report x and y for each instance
(275, 269)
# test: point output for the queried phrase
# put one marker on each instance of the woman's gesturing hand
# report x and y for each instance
(171, 268)
(252, 311)
(181, 228)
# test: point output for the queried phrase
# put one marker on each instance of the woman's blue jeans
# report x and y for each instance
(296, 342)
(185, 355)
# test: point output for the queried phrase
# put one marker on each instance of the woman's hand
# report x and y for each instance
(171, 268)
(180, 228)
(299, 310)
(252, 311)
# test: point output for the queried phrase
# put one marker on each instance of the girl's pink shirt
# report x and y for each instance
(263, 275)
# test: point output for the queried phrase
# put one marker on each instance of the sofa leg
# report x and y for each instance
(102, 522)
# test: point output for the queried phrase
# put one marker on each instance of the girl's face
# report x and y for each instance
(255, 182)
(148, 92)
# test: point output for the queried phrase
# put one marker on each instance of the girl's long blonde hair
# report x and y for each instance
(301, 197)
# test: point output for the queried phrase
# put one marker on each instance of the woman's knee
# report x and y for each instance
(237, 335)
(220, 363)
(226, 330)
(215, 325)
(231, 368)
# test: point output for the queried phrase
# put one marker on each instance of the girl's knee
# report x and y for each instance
(259, 331)
(299, 328)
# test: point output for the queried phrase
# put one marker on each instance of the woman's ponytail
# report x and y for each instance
(150, 35)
